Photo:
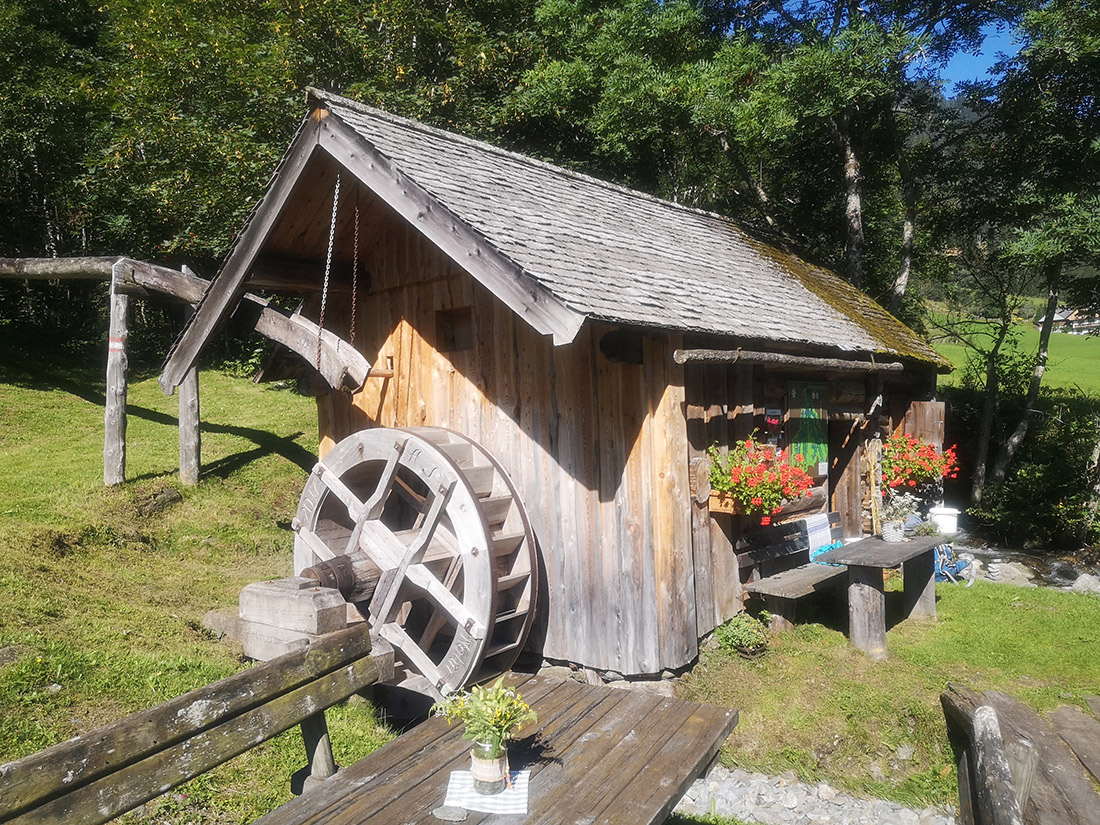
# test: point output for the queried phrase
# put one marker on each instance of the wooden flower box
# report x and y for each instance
(725, 503)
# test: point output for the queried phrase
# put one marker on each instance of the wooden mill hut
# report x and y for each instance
(594, 339)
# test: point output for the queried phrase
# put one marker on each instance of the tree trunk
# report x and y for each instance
(909, 221)
(990, 402)
(1094, 493)
(853, 204)
(1008, 452)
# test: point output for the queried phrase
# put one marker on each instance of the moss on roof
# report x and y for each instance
(894, 337)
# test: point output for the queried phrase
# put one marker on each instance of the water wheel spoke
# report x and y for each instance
(372, 508)
(446, 600)
(414, 553)
(439, 618)
(314, 543)
(412, 654)
(341, 491)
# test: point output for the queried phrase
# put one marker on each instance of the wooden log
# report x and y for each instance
(740, 356)
(50, 269)
(996, 795)
(114, 442)
(990, 792)
(341, 365)
(189, 423)
(867, 610)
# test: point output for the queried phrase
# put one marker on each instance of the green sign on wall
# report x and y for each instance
(808, 427)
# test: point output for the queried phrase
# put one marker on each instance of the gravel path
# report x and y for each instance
(782, 800)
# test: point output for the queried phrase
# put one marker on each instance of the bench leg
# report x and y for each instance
(919, 577)
(782, 612)
(318, 749)
(867, 610)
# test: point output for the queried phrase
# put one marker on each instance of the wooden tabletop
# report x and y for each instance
(874, 552)
(596, 755)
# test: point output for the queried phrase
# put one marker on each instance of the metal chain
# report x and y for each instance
(354, 275)
(328, 269)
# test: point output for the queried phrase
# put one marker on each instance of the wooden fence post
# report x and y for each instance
(189, 418)
(114, 444)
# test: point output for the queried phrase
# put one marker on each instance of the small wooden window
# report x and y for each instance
(455, 329)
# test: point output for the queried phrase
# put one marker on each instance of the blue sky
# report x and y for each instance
(975, 66)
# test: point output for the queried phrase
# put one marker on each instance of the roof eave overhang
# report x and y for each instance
(530, 300)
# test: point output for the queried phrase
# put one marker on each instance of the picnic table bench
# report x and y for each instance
(97, 776)
(780, 571)
(865, 560)
(596, 755)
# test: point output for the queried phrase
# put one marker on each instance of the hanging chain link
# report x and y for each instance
(328, 269)
(354, 275)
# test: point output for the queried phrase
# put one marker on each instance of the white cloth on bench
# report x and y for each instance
(818, 531)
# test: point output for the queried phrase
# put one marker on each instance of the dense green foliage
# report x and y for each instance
(148, 128)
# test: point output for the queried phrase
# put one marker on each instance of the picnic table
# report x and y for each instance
(596, 755)
(866, 559)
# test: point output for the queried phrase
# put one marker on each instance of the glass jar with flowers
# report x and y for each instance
(758, 479)
(492, 716)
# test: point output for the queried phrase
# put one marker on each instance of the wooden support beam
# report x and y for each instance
(341, 365)
(740, 356)
(50, 269)
(190, 422)
(114, 442)
(226, 291)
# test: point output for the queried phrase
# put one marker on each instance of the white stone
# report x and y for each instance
(1086, 583)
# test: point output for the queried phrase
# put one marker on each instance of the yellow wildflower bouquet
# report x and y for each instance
(491, 714)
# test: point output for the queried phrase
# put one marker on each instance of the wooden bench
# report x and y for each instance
(777, 561)
(97, 776)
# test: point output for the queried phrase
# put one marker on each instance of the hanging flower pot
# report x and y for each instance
(489, 767)
(756, 480)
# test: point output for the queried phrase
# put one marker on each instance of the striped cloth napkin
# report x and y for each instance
(512, 800)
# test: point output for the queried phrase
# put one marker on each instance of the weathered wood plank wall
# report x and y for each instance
(598, 449)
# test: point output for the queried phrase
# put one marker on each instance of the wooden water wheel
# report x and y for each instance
(424, 532)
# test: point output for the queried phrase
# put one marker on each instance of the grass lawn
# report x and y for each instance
(102, 597)
(815, 705)
(1074, 361)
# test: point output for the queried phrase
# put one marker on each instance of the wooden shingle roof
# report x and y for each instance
(617, 255)
(560, 248)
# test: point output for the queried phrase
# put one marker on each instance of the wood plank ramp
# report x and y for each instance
(596, 755)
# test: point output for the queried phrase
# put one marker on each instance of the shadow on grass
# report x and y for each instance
(52, 370)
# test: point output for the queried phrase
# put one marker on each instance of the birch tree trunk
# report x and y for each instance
(990, 403)
(853, 203)
(1008, 451)
(909, 195)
